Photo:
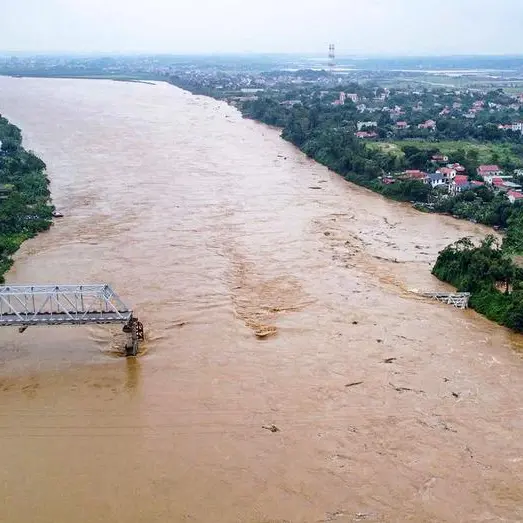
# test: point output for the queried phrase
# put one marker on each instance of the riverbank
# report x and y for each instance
(146, 79)
(25, 208)
(322, 132)
(343, 154)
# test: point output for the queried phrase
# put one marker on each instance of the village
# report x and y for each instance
(437, 113)
(452, 178)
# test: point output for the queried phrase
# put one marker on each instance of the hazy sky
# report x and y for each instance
(412, 27)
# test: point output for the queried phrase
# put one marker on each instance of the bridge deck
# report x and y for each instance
(30, 305)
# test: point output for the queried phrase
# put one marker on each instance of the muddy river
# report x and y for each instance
(212, 227)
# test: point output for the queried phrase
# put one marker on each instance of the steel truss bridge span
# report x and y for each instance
(26, 306)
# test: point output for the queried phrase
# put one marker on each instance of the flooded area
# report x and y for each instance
(389, 407)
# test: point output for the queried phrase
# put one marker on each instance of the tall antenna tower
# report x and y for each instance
(332, 57)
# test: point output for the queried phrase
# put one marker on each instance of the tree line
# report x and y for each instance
(25, 206)
(489, 274)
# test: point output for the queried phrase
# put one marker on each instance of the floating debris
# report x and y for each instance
(265, 331)
(271, 428)
(406, 389)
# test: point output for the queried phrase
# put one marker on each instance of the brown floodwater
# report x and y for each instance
(212, 227)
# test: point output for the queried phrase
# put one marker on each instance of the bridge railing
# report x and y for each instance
(27, 305)
(457, 299)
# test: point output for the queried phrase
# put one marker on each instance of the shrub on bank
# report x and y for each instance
(490, 276)
(24, 195)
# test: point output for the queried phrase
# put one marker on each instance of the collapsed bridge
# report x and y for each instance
(26, 306)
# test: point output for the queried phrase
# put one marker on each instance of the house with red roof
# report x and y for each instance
(459, 184)
(516, 127)
(505, 184)
(457, 167)
(415, 174)
(487, 172)
(402, 125)
(514, 196)
(429, 124)
(448, 173)
(440, 158)
(366, 134)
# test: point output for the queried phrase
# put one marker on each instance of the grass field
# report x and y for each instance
(485, 150)
(460, 81)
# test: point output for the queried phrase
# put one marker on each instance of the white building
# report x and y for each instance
(448, 174)
(361, 125)
(435, 180)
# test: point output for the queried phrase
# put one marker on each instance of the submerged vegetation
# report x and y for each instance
(24, 194)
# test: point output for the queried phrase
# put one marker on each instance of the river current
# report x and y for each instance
(390, 408)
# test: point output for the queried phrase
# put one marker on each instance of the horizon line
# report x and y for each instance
(4, 52)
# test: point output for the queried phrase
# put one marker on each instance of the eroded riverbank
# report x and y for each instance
(207, 224)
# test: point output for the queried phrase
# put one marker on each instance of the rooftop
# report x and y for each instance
(488, 168)
(461, 179)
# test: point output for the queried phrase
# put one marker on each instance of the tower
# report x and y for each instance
(332, 57)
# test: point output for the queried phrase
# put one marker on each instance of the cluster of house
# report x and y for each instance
(397, 113)
(429, 124)
(355, 98)
(454, 179)
(368, 132)
(516, 127)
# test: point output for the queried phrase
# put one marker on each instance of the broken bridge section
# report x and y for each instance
(32, 305)
(457, 299)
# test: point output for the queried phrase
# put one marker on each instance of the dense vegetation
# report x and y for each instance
(455, 116)
(481, 205)
(24, 194)
(487, 272)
